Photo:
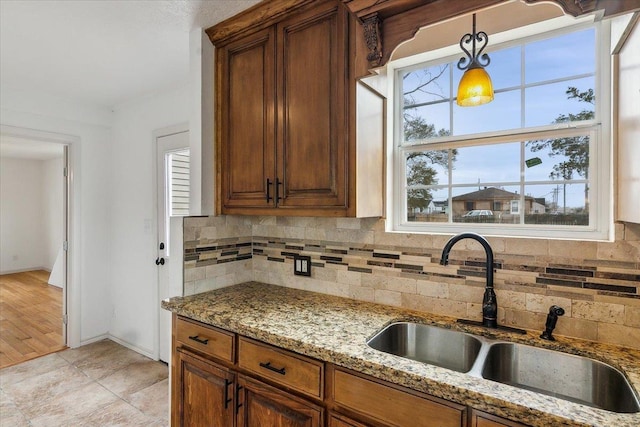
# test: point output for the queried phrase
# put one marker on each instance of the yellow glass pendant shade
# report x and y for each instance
(475, 87)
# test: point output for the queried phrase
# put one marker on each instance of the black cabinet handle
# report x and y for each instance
(268, 366)
(269, 184)
(159, 261)
(278, 184)
(238, 404)
(198, 339)
(227, 399)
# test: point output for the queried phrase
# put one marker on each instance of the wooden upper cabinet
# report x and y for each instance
(312, 106)
(246, 97)
(286, 111)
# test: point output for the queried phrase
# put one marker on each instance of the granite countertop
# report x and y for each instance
(335, 330)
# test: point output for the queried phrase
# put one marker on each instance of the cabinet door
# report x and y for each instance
(336, 420)
(246, 129)
(482, 419)
(263, 405)
(312, 103)
(205, 392)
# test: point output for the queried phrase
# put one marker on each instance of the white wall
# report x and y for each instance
(21, 222)
(134, 275)
(52, 209)
(88, 129)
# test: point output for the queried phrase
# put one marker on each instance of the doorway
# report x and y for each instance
(34, 223)
(172, 170)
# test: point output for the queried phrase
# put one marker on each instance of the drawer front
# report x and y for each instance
(391, 406)
(206, 339)
(283, 367)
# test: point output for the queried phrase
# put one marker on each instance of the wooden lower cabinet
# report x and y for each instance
(482, 419)
(337, 420)
(204, 392)
(220, 379)
(388, 405)
(262, 405)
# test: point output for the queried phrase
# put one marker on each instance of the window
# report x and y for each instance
(178, 188)
(536, 157)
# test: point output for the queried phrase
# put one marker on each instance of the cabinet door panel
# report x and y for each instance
(263, 405)
(313, 105)
(247, 115)
(205, 392)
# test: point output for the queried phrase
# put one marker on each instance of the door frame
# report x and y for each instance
(70, 295)
(159, 133)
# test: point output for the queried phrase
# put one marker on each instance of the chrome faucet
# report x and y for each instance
(489, 301)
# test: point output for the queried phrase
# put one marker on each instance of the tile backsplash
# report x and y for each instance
(597, 283)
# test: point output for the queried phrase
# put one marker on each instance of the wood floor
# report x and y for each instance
(30, 317)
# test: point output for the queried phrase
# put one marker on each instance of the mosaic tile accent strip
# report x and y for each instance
(624, 283)
(197, 254)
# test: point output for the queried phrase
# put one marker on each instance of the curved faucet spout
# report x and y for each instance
(489, 301)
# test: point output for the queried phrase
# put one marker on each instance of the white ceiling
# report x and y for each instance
(102, 52)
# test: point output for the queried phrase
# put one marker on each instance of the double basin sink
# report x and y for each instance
(574, 378)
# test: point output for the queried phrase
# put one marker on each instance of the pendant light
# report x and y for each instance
(475, 86)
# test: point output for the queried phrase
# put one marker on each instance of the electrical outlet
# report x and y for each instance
(302, 265)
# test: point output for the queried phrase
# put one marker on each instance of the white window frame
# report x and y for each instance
(600, 226)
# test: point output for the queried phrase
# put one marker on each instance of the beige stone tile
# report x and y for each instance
(511, 299)
(532, 247)
(63, 408)
(196, 273)
(576, 328)
(432, 289)
(405, 240)
(541, 303)
(466, 293)
(620, 250)
(311, 233)
(572, 249)
(100, 359)
(444, 307)
(349, 277)
(598, 311)
(633, 302)
(338, 289)
(153, 401)
(619, 334)
(189, 288)
(120, 414)
(397, 284)
(632, 316)
(10, 415)
(631, 232)
(524, 319)
(31, 393)
(15, 374)
(361, 294)
(382, 296)
(474, 312)
(350, 236)
(135, 377)
(348, 223)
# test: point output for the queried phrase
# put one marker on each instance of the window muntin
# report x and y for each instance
(530, 88)
(547, 201)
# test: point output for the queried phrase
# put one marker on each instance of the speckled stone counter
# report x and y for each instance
(335, 330)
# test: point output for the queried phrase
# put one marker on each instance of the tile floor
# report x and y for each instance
(100, 384)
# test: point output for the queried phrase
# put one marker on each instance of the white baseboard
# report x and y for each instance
(145, 352)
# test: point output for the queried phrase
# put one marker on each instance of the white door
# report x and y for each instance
(173, 205)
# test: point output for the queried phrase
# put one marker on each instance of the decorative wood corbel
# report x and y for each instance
(574, 7)
(373, 36)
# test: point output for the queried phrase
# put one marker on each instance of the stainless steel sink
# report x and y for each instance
(574, 378)
(553, 373)
(429, 344)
